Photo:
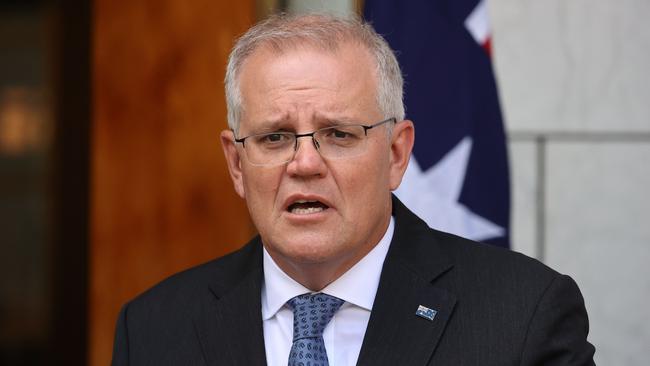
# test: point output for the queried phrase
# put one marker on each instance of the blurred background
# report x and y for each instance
(111, 174)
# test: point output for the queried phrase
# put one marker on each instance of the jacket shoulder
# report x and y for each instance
(159, 325)
(523, 300)
(218, 274)
(487, 258)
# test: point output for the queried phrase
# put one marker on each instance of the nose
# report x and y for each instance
(307, 161)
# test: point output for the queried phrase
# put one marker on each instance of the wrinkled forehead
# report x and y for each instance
(350, 51)
(305, 80)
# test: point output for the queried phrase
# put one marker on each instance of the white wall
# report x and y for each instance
(574, 79)
(575, 88)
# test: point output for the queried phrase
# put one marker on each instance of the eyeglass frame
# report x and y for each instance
(242, 140)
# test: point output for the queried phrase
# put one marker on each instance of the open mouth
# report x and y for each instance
(304, 207)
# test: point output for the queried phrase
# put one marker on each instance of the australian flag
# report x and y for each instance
(458, 178)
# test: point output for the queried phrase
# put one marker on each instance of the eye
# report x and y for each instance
(273, 140)
(340, 134)
(344, 136)
(343, 132)
(274, 137)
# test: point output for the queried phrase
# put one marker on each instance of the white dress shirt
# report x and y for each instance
(344, 334)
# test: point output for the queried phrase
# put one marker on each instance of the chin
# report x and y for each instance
(309, 251)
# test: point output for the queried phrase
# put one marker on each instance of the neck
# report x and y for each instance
(314, 276)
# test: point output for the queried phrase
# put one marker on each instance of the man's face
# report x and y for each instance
(301, 90)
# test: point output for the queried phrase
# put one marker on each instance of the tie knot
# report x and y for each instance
(312, 313)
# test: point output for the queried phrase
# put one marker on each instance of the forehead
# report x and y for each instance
(304, 81)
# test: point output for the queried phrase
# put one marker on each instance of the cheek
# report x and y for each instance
(363, 179)
(260, 180)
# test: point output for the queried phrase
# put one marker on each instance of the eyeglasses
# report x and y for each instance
(336, 142)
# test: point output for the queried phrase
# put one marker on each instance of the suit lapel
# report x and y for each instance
(395, 334)
(229, 324)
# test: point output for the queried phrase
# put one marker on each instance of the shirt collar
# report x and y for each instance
(357, 286)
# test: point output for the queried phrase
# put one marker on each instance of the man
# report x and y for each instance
(341, 272)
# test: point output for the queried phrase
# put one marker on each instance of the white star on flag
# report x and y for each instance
(433, 195)
(478, 24)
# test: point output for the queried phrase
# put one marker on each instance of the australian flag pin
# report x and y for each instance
(426, 313)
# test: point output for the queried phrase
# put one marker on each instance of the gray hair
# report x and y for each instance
(325, 32)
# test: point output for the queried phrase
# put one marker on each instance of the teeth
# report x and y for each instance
(306, 211)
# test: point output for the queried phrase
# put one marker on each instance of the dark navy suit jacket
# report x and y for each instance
(493, 307)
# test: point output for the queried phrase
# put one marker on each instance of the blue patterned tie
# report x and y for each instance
(311, 313)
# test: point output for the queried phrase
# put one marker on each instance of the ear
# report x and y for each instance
(233, 160)
(402, 141)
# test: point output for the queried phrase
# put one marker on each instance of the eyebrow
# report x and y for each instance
(325, 121)
(284, 124)
(280, 124)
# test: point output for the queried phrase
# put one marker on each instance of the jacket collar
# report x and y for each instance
(395, 334)
(230, 322)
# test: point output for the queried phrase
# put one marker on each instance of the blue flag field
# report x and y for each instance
(458, 178)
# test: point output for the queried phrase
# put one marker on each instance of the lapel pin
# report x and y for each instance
(426, 313)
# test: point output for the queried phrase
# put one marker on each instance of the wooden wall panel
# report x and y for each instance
(161, 199)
